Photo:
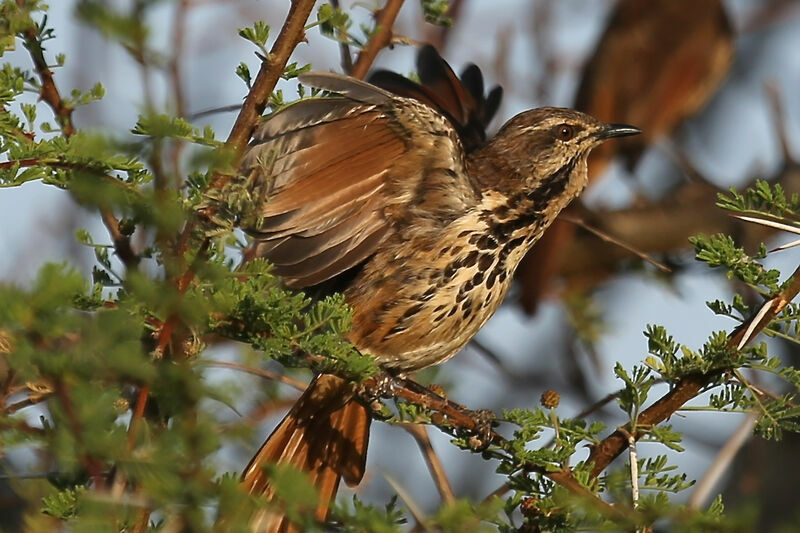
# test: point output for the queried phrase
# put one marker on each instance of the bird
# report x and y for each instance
(657, 63)
(391, 193)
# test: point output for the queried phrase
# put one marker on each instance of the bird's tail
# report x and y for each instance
(324, 435)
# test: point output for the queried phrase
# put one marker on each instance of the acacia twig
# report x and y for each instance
(566, 217)
(295, 383)
(344, 48)
(688, 386)
(453, 415)
(48, 91)
(291, 33)
(722, 461)
(420, 434)
(384, 20)
(122, 242)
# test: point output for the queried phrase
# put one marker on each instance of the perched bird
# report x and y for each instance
(401, 204)
(657, 63)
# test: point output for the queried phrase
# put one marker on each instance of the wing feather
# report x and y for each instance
(330, 166)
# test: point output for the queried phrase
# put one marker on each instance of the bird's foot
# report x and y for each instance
(482, 434)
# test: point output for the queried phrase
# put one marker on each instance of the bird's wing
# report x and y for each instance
(461, 100)
(335, 169)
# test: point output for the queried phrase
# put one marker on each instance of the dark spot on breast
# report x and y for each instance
(525, 219)
(510, 246)
(427, 295)
(439, 308)
(471, 259)
(449, 271)
(477, 278)
(501, 211)
(395, 330)
(485, 262)
(464, 234)
(466, 304)
(462, 292)
(485, 242)
(413, 310)
(452, 311)
(491, 279)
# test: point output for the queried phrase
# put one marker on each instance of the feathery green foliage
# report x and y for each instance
(128, 426)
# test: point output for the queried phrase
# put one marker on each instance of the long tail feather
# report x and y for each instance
(325, 435)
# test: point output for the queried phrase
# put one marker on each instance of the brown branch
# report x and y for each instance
(122, 242)
(27, 402)
(689, 386)
(296, 383)
(271, 70)
(384, 20)
(456, 416)
(577, 221)
(48, 91)
(20, 425)
(344, 48)
(420, 434)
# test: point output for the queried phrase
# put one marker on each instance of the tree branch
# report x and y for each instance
(271, 70)
(420, 434)
(691, 385)
(48, 91)
(384, 20)
(122, 242)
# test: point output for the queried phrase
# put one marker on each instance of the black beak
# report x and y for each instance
(618, 130)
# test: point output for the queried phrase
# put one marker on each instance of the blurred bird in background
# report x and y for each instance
(657, 63)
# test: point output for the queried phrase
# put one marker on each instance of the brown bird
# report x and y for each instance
(656, 64)
(397, 202)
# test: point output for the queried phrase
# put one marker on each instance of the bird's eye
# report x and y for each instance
(565, 132)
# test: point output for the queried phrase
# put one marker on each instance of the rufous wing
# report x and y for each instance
(330, 166)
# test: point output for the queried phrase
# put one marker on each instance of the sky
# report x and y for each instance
(730, 141)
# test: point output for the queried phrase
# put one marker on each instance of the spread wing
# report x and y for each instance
(333, 165)
(461, 100)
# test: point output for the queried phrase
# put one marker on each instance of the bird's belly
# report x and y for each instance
(422, 312)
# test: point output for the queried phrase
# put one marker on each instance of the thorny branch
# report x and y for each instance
(48, 90)
(290, 35)
(384, 20)
(292, 32)
(691, 385)
(50, 94)
(455, 416)
(420, 434)
(344, 48)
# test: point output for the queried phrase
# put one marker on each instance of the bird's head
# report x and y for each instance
(543, 142)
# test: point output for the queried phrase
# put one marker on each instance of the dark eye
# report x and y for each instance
(565, 132)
